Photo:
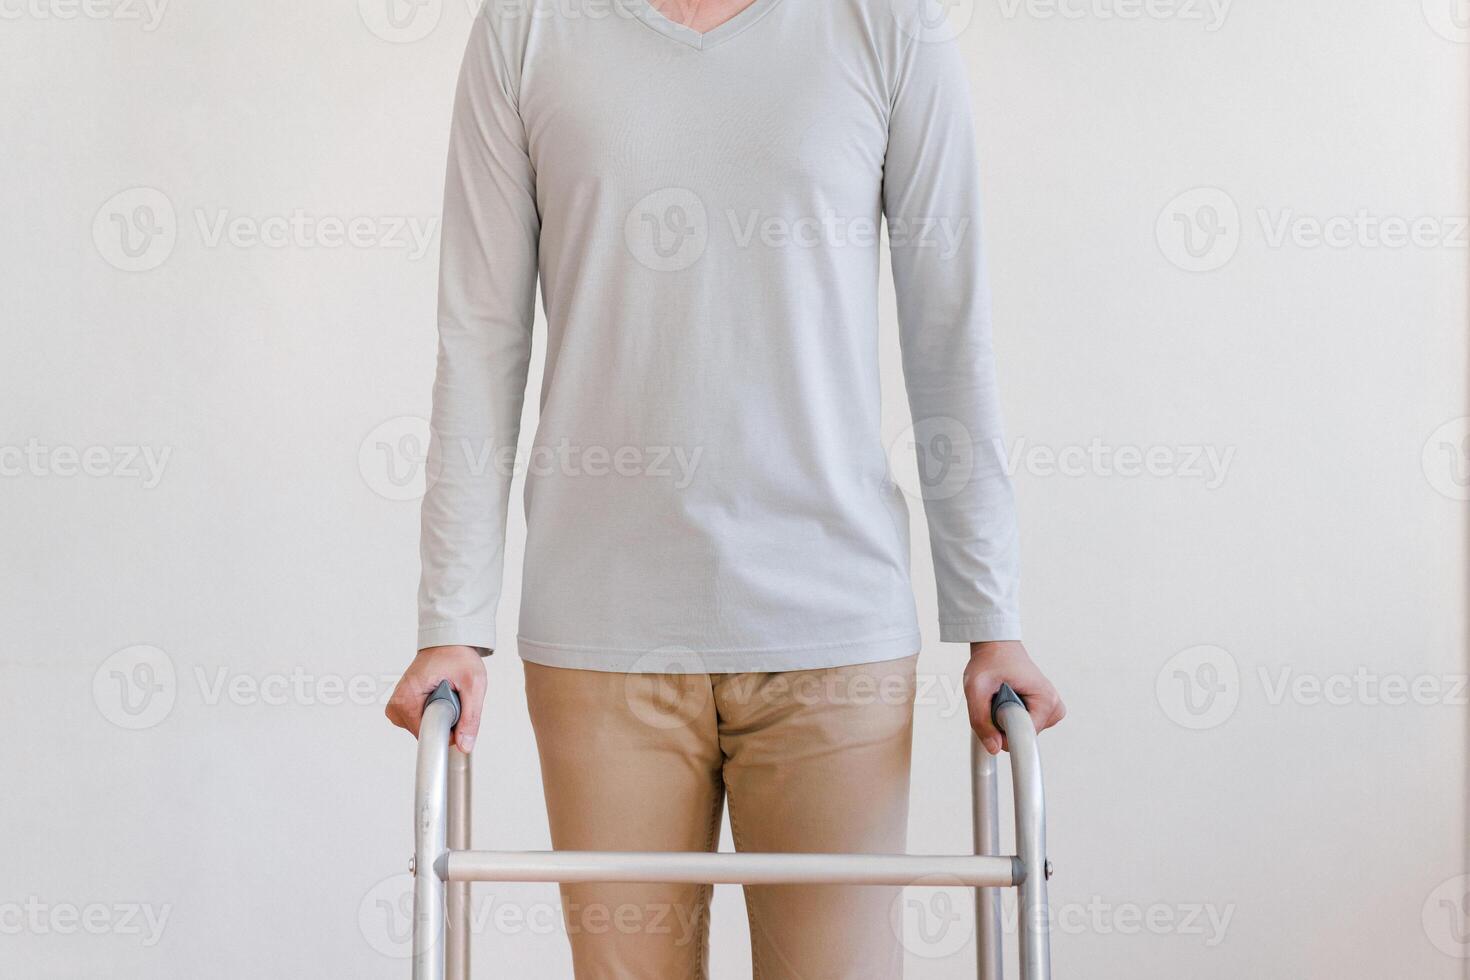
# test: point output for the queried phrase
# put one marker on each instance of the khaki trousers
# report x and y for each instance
(811, 760)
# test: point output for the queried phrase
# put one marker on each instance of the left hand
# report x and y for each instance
(1006, 661)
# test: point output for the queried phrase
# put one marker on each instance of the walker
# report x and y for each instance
(444, 865)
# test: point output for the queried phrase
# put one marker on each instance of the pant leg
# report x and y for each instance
(818, 761)
(630, 762)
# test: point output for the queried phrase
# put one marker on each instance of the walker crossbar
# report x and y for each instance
(697, 868)
(444, 865)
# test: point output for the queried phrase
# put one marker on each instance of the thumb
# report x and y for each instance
(982, 690)
(471, 705)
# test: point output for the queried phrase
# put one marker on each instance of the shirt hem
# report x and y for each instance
(481, 636)
(683, 661)
(988, 629)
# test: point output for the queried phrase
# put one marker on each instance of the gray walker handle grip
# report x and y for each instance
(1006, 695)
(445, 693)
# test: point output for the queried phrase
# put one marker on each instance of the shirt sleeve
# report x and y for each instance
(487, 290)
(931, 200)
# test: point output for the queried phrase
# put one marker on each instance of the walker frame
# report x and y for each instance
(444, 865)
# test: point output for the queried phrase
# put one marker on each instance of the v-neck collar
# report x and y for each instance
(652, 17)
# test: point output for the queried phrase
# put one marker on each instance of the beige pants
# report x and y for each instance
(812, 761)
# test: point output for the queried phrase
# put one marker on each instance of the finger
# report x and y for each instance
(1046, 709)
(982, 691)
(410, 699)
(1040, 708)
(471, 705)
(397, 708)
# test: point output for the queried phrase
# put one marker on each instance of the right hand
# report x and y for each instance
(463, 668)
(997, 661)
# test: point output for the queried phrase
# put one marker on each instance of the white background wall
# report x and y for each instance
(1240, 790)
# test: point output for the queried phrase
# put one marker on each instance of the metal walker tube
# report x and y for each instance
(1033, 914)
(431, 833)
(444, 865)
(986, 807)
(457, 950)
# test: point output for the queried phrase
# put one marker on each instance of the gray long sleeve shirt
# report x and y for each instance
(708, 489)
